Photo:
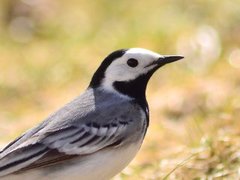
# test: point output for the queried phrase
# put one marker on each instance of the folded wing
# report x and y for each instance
(62, 144)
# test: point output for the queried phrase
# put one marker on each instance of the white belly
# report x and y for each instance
(99, 166)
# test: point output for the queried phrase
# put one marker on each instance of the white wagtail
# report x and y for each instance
(97, 134)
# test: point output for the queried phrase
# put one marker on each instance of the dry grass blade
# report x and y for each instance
(181, 164)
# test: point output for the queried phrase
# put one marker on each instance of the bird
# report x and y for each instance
(97, 134)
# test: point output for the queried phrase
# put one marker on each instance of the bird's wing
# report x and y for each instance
(21, 157)
(68, 142)
(75, 140)
(86, 139)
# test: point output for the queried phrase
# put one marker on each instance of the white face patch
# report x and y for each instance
(119, 70)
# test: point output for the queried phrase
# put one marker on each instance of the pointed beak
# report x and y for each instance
(165, 60)
(169, 59)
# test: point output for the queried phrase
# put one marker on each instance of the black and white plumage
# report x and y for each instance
(97, 134)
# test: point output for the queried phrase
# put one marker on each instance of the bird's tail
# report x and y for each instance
(20, 158)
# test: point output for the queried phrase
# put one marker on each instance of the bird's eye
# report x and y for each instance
(132, 62)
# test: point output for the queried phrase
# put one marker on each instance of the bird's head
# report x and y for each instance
(127, 71)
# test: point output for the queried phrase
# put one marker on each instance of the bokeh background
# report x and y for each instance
(49, 50)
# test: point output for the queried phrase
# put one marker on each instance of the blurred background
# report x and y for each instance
(49, 50)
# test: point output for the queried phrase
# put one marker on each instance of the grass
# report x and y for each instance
(48, 56)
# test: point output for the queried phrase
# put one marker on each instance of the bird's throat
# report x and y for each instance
(135, 89)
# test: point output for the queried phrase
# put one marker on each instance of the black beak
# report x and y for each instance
(170, 59)
(165, 60)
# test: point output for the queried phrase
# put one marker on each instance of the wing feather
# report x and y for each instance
(21, 157)
(69, 142)
(86, 140)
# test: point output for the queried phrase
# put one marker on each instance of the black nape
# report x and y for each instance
(100, 73)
